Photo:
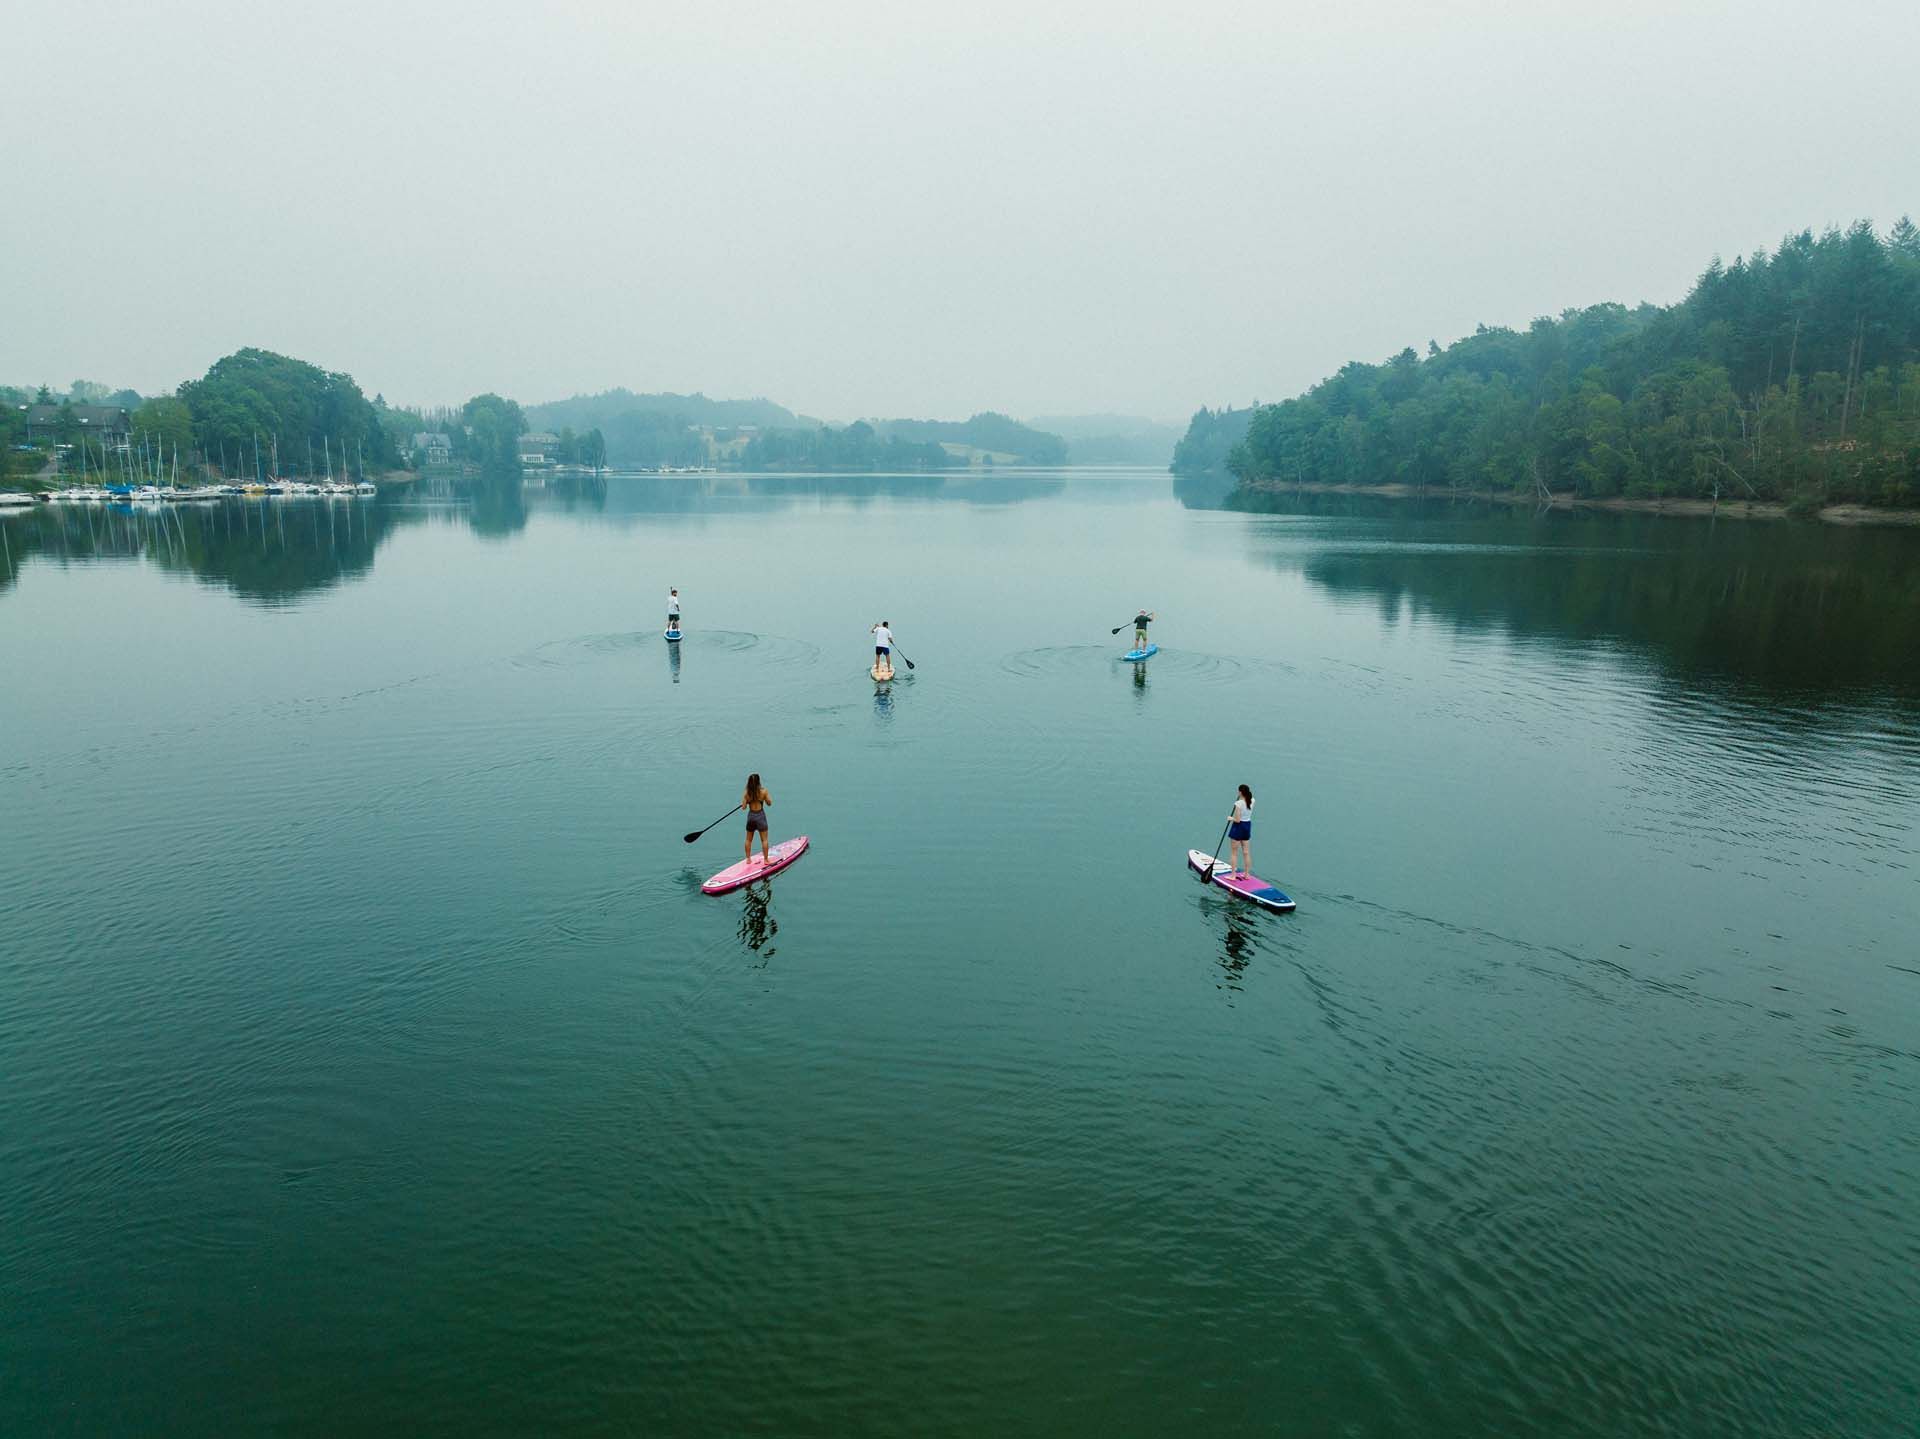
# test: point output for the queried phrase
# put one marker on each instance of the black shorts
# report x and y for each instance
(756, 821)
(673, 622)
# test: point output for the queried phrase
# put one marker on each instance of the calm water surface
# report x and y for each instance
(371, 1061)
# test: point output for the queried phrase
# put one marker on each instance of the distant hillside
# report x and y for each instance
(672, 429)
(1210, 439)
(1793, 376)
(585, 411)
(659, 429)
(856, 447)
(1111, 439)
(988, 431)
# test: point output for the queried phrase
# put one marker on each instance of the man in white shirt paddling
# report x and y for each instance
(673, 609)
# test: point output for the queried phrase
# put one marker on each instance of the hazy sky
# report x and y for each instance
(903, 209)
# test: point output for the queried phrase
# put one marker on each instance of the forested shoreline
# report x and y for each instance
(258, 413)
(1791, 378)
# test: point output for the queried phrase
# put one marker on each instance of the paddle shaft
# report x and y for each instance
(1207, 873)
(692, 835)
(1117, 628)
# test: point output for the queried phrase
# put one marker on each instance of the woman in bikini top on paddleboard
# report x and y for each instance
(756, 799)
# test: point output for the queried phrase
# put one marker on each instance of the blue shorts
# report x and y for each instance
(881, 650)
(1242, 830)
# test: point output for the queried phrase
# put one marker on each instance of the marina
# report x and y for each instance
(176, 494)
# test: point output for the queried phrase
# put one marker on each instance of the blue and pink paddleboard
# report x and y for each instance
(748, 870)
(1247, 886)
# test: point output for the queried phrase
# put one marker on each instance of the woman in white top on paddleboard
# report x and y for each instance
(1240, 833)
(883, 647)
(673, 609)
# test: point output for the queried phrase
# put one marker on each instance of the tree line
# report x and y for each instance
(1209, 441)
(1788, 376)
(988, 430)
(256, 411)
(852, 447)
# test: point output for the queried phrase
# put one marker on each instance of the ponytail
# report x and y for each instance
(1247, 795)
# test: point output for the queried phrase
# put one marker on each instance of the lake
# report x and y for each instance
(372, 1062)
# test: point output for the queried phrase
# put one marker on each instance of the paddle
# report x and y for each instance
(1207, 873)
(692, 835)
(896, 650)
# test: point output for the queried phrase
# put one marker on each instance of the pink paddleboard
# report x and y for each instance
(1247, 886)
(748, 870)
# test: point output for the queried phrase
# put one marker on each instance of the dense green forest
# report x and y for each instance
(1209, 441)
(255, 397)
(1788, 376)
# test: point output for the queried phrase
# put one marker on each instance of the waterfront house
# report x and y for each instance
(434, 449)
(538, 448)
(108, 425)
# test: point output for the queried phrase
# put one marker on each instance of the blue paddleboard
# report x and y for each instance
(1146, 654)
(673, 634)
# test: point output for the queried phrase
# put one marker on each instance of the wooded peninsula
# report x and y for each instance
(1791, 377)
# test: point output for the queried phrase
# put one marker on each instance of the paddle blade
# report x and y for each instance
(691, 835)
(909, 663)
